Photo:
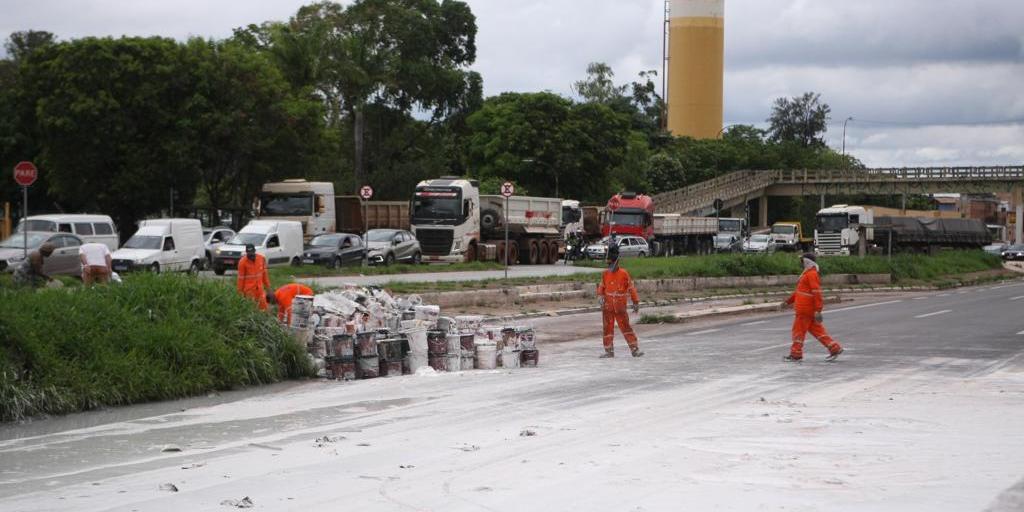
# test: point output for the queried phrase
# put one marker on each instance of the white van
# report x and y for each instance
(90, 228)
(168, 245)
(279, 241)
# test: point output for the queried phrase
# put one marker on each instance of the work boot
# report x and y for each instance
(607, 354)
(791, 359)
(834, 355)
(637, 352)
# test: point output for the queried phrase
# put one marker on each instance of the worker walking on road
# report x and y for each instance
(284, 296)
(253, 279)
(807, 302)
(616, 285)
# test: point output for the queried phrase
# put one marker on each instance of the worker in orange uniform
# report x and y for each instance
(807, 302)
(284, 296)
(253, 279)
(615, 286)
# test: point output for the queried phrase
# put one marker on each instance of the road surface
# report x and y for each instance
(922, 413)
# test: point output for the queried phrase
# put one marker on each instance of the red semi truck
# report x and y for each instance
(631, 213)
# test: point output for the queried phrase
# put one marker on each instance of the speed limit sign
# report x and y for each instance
(507, 189)
(366, 192)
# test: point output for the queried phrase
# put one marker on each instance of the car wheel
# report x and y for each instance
(417, 258)
(641, 254)
(194, 269)
(218, 269)
(389, 259)
(296, 262)
(155, 268)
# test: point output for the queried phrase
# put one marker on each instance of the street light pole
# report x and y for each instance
(848, 119)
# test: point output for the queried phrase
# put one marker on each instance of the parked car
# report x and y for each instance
(629, 246)
(279, 241)
(214, 238)
(728, 243)
(1014, 252)
(335, 250)
(386, 246)
(88, 228)
(759, 244)
(168, 245)
(996, 249)
(63, 261)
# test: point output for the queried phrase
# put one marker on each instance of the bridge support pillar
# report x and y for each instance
(762, 209)
(1018, 227)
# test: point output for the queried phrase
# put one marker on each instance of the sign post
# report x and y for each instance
(25, 174)
(613, 206)
(507, 189)
(366, 192)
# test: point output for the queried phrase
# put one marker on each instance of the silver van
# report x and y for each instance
(89, 228)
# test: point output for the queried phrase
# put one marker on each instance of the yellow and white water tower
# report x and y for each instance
(696, 66)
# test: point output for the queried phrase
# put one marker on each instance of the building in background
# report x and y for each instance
(696, 65)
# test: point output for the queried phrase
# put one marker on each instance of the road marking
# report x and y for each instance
(943, 295)
(961, 292)
(851, 308)
(698, 333)
(1020, 333)
(1019, 297)
(920, 298)
(759, 322)
(773, 347)
(943, 312)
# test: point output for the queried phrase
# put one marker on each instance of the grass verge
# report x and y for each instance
(154, 337)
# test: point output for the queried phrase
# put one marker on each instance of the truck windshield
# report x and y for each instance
(286, 204)
(832, 222)
(628, 218)
(783, 230)
(436, 205)
(144, 242)
(729, 225)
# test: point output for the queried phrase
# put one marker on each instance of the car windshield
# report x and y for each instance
(380, 235)
(248, 238)
(144, 242)
(325, 241)
(783, 230)
(1016, 248)
(759, 238)
(833, 222)
(18, 241)
(286, 204)
(436, 205)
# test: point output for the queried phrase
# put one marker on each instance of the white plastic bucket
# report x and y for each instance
(302, 308)
(417, 341)
(509, 358)
(454, 344)
(429, 313)
(454, 362)
(468, 323)
(486, 355)
(416, 361)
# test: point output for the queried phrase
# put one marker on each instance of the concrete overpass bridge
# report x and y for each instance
(736, 189)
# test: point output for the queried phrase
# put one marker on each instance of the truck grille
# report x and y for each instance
(829, 243)
(435, 242)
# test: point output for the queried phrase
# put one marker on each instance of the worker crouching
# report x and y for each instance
(807, 302)
(616, 286)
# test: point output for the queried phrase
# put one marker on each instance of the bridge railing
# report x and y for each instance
(904, 174)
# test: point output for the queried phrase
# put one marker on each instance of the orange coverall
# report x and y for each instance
(616, 287)
(285, 295)
(253, 280)
(807, 301)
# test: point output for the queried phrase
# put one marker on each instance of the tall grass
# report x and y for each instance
(154, 337)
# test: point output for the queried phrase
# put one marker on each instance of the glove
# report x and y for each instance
(636, 307)
(817, 317)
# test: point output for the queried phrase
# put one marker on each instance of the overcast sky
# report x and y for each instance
(928, 82)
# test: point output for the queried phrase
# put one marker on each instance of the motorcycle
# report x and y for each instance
(574, 250)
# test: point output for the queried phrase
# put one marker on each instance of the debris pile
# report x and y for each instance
(364, 333)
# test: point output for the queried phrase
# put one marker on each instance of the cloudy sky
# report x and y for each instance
(927, 82)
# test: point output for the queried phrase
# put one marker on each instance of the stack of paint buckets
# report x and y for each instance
(367, 359)
(391, 351)
(437, 349)
(341, 357)
(529, 355)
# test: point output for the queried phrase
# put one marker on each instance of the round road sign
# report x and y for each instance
(507, 189)
(25, 173)
(366, 192)
(613, 204)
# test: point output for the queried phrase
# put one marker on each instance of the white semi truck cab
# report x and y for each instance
(837, 231)
(309, 202)
(445, 217)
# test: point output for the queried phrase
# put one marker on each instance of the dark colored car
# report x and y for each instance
(335, 250)
(1014, 252)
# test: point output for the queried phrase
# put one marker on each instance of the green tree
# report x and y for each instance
(598, 86)
(801, 120)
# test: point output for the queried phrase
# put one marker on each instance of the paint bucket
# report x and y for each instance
(342, 345)
(302, 308)
(408, 315)
(417, 340)
(468, 323)
(429, 313)
(303, 335)
(468, 361)
(437, 342)
(369, 367)
(527, 338)
(394, 368)
(416, 361)
(454, 343)
(530, 358)
(318, 347)
(438, 362)
(342, 370)
(366, 344)
(467, 342)
(454, 362)
(390, 349)
(509, 339)
(446, 324)
(486, 355)
(491, 332)
(509, 358)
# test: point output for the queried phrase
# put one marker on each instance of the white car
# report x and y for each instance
(214, 238)
(629, 246)
(758, 244)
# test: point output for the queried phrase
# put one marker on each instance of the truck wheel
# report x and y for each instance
(543, 253)
(155, 268)
(296, 262)
(534, 252)
(471, 253)
(513, 253)
(193, 269)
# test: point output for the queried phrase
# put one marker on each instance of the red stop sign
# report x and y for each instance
(25, 173)
(613, 204)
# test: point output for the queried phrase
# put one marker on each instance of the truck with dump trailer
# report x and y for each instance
(840, 228)
(315, 206)
(666, 234)
(789, 236)
(454, 223)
